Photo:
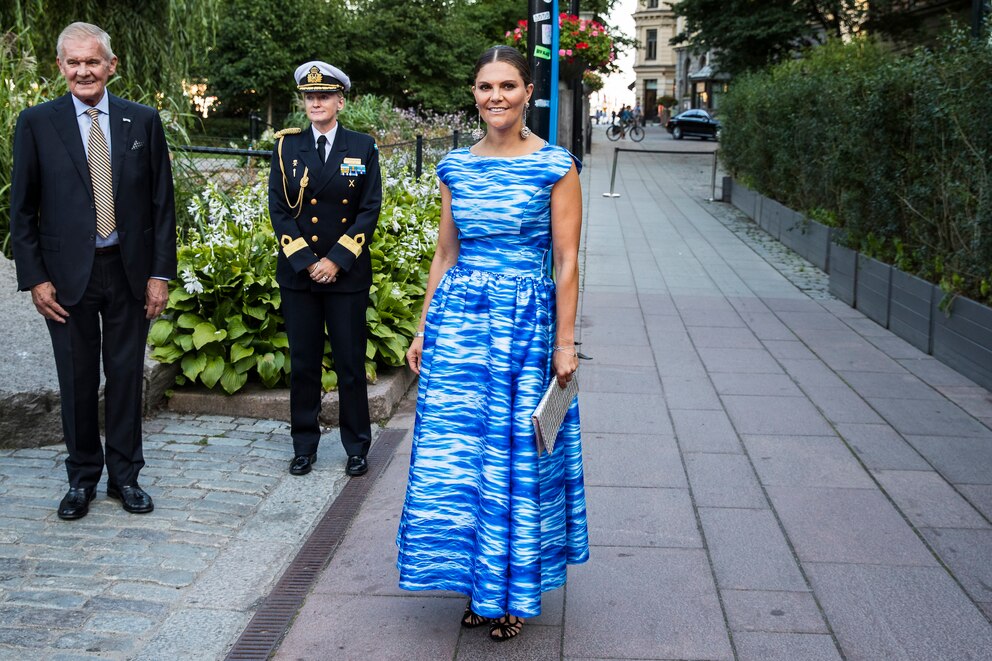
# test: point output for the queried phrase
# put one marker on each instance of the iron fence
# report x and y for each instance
(230, 167)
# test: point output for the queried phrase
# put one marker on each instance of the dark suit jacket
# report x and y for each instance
(53, 217)
(341, 204)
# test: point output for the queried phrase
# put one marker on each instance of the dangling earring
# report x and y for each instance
(525, 132)
(478, 133)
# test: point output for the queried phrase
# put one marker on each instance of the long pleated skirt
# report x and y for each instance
(486, 514)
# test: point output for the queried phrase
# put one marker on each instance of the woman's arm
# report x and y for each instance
(445, 256)
(566, 227)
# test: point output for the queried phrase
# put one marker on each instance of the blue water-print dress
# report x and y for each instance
(485, 515)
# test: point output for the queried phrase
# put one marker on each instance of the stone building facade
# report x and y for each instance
(655, 59)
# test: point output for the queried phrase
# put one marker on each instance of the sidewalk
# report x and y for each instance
(770, 475)
(174, 585)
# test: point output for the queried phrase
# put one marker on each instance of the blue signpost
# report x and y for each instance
(542, 53)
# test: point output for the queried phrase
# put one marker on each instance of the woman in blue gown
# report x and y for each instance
(487, 513)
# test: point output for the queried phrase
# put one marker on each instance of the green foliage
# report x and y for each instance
(894, 149)
(260, 43)
(223, 323)
(750, 35)
(157, 42)
(418, 51)
(19, 72)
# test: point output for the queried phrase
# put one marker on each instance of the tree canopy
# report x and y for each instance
(749, 35)
(158, 42)
(415, 52)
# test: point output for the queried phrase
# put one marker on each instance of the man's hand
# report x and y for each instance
(43, 296)
(156, 296)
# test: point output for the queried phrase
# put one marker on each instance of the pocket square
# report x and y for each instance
(137, 145)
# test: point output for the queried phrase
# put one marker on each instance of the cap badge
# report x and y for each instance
(315, 76)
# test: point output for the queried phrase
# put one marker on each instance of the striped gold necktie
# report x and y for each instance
(101, 176)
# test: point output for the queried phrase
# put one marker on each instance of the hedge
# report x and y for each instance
(894, 148)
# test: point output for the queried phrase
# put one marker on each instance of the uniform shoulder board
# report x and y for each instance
(288, 131)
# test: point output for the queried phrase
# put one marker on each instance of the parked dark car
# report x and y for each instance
(697, 122)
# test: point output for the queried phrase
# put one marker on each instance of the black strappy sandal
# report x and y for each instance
(471, 619)
(502, 629)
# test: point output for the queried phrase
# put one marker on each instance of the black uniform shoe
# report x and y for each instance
(76, 503)
(302, 464)
(357, 465)
(132, 497)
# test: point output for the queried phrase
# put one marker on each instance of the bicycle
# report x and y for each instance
(616, 131)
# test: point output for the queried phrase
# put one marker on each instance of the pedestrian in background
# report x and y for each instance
(325, 194)
(487, 513)
(93, 228)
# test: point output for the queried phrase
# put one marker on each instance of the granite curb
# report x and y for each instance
(257, 402)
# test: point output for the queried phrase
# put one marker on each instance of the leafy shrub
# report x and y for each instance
(20, 89)
(223, 322)
(892, 148)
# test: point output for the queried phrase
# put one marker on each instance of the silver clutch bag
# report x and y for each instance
(550, 412)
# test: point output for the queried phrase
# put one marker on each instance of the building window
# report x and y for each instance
(652, 4)
(652, 45)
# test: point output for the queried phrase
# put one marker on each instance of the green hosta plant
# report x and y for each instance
(223, 322)
(401, 258)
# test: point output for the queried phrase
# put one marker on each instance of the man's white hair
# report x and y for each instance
(81, 30)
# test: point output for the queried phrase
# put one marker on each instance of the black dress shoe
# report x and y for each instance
(133, 498)
(301, 464)
(357, 465)
(76, 503)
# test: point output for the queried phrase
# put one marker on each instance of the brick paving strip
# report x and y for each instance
(179, 583)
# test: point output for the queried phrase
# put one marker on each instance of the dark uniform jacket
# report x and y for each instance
(53, 218)
(324, 211)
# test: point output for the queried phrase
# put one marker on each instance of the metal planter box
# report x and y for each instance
(963, 339)
(843, 270)
(772, 215)
(872, 289)
(744, 199)
(910, 309)
(808, 238)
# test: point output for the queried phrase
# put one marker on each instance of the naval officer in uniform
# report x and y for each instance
(325, 193)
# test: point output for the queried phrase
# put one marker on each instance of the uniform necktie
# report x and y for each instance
(101, 176)
(322, 148)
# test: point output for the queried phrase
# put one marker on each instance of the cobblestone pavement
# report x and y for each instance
(179, 583)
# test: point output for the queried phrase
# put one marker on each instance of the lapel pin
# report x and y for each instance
(126, 119)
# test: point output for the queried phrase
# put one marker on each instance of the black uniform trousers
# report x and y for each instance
(306, 314)
(78, 345)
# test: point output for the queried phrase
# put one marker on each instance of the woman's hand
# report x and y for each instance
(414, 354)
(324, 272)
(565, 362)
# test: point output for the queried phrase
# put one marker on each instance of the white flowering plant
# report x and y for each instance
(223, 323)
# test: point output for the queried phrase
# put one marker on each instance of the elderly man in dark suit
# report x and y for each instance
(94, 235)
(325, 193)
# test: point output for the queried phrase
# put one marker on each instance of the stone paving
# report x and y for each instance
(179, 583)
(770, 475)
